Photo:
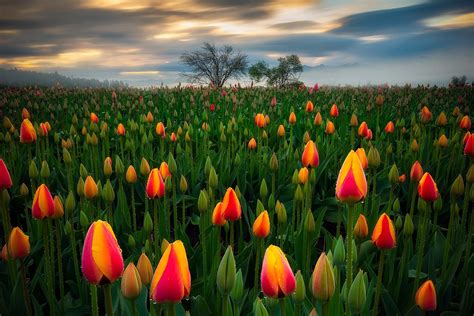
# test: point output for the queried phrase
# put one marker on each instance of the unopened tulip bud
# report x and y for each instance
(398, 223)
(83, 220)
(295, 177)
(24, 191)
(33, 170)
(226, 273)
(339, 253)
(119, 168)
(271, 202)
(393, 175)
(408, 227)
(361, 229)
(131, 241)
(299, 194)
(259, 308)
(300, 292)
(144, 168)
(213, 178)
(357, 293)
(203, 202)
(323, 282)
(373, 157)
(281, 212)
(238, 290)
(107, 168)
(263, 189)
(147, 223)
(414, 146)
(273, 163)
(131, 284)
(44, 172)
(164, 245)
(183, 184)
(67, 157)
(309, 223)
(145, 269)
(457, 188)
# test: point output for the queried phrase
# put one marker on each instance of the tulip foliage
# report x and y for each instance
(237, 201)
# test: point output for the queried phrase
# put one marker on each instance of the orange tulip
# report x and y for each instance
(27, 132)
(144, 269)
(260, 120)
(276, 278)
(25, 114)
(330, 128)
(425, 296)
(155, 187)
(292, 118)
(466, 137)
(416, 172)
(309, 107)
(131, 284)
(218, 218)
(361, 229)
(334, 112)
(4, 253)
(469, 146)
(231, 205)
(389, 128)
(310, 157)
(120, 130)
(149, 117)
(261, 226)
(43, 130)
(172, 279)
(164, 170)
(43, 203)
(402, 178)
(369, 134)
(427, 189)
(58, 207)
(252, 144)
(441, 120)
(131, 175)
(318, 119)
(5, 179)
(443, 141)
(354, 122)
(173, 137)
(94, 118)
(383, 235)
(362, 157)
(160, 129)
(303, 175)
(351, 185)
(18, 244)
(102, 260)
(281, 131)
(363, 130)
(465, 122)
(90, 188)
(425, 114)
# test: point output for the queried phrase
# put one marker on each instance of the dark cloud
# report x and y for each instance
(296, 25)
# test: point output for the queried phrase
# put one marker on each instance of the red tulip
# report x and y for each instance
(469, 146)
(416, 172)
(465, 122)
(121, 130)
(427, 189)
(43, 203)
(334, 112)
(218, 218)
(27, 132)
(261, 225)
(277, 278)
(389, 128)
(5, 179)
(94, 118)
(363, 130)
(425, 296)
(155, 187)
(383, 235)
(231, 205)
(18, 244)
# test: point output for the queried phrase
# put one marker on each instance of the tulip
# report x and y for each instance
(90, 188)
(144, 168)
(469, 146)
(362, 157)
(277, 279)
(369, 134)
(5, 179)
(43, 203)
(58, 208)
(351, 185)
(260, 120)
(144, 269)
(389, 128)
(173, 137)
(354, 122)
(281, 131)
(155, 187)
(212, 107)
(303, 175)
(27, 132)
(218, 218)
(149, 117)
(334, 112)
(131, 175)
(425, 297)
(94, 118)
(131, 284)
(252, 144)
(25, 114)
(273, 102)
(318, 119)
(427, 189)
(160, 129)
(292, 118)
(323, 284)
(226, 275)
(416, 172)
(442, 120)
(172, 280)
(4, 253)
(361, 229)
(121, 130)
(164, 170)
(425, 115)
(310, 156)
(330, 128)
(231, 205)
(43, 130)
(18, 244)
(363, 129)
(383, 235)
(357, 294)
(102, 261)
(465, 123)
(309, 106)
(261, 226)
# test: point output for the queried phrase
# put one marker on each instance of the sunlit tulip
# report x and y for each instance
(164, 170)
(465, 122)
(303, 175)
(149, 117)
(94, 118)
(131, 284)
(43, 203)
(58, 207)
(281, 131)
(425, 296)
(383, 235)
(310, 156)
(309, 107)
(260, 120)
(252, 144)
(102, 260)
(231, 205)
(469, 146)
(362, 157)
(442, 120)
(334, 112)
(361, 229)
(18, 244)
(90, 188)
(145, 269)
(351, 185)
(218, 218)
(5, 179)
(323, 282)
(389, 128)
(292, 118)
(427, 189)
(363, 129)
(131, 175)
(330, 128)
(155, 187)
(318, 119)
(27, 132)
(172, 279)
(160, 129)
(425, 114)
(277, 279)
(121, 130)
(261, 225)
(416, 172)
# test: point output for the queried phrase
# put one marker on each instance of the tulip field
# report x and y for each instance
(237, 201)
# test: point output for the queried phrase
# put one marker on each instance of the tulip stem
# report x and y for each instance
(47, 266)
(134, 212)
(258, 244)
(134, 308)
(225, 305)
(282, 306)
(155, 234)
(60, 264)
(419, 262)
(108, 300)
(29, 309)
(75, 260)
(171, 310)
(349, 229)
(325, 309)
(231, 233)
(379, 283)
(447, 245)
(94, 304)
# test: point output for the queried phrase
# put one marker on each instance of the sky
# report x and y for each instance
(340, 42)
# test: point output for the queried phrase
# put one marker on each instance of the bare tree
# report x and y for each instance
(214, 65)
